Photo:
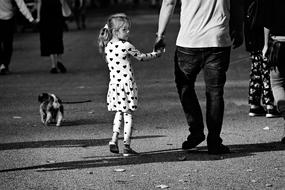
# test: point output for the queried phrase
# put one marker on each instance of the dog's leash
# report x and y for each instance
(76, 102)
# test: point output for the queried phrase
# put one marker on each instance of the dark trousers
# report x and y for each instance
(6, 41)
(214, 62)
(259, 82)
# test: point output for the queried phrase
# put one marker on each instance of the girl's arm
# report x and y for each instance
(142, 56)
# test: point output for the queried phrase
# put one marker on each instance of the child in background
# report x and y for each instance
(122, 94)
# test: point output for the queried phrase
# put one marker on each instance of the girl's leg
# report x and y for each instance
(128, 120)
(113, 144)
(116, 126)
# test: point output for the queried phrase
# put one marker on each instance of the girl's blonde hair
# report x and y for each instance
(114, 23)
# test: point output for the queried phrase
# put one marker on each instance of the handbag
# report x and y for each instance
(66, 11)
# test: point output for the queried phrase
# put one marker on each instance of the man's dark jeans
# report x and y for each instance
(214, 62)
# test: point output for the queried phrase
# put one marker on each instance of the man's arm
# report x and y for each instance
(165, 14)
(236, 22)
(24, 10)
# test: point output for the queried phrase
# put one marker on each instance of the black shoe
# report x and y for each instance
(259, 111)
(281, 107)
(220, 149)
(53, 70)
(61, 67)
(272, 113)
(114, 147)
(128, 151)
(192, 142)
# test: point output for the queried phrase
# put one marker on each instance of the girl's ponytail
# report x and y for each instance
(104, 37)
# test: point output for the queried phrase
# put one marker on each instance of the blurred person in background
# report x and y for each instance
(260, 92)
(79, 10)
(7, 30)
(274, 51)
(51, 20)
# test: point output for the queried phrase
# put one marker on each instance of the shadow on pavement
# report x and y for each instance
(65, 143)
(169, 155)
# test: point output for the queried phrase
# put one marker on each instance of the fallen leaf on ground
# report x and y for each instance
(266, 128)
(119, 170)
(17, 117)
(162, 186)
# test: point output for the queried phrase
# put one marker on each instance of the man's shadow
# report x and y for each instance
(168, 155)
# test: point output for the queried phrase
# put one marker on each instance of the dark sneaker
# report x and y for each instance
(259, 111)
(61, 67)
(53, 70)
(114, 147)
(128, 151)
(272, 113)
(192, 142)
(220, 149)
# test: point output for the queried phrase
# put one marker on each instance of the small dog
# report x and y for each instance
(51, 109)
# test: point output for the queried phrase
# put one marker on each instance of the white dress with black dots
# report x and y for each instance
(123, 92)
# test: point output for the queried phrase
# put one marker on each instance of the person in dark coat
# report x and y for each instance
(260, 92)
(51, 22)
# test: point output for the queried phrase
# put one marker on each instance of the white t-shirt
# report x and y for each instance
(6, 9)
(204, 23)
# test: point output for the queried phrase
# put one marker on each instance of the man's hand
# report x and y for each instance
(159, 44)
(237, 38)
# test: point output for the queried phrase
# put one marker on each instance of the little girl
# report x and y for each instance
(122, 94)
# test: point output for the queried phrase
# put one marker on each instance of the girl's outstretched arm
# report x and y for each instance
(142, 56)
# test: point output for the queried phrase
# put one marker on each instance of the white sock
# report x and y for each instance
(116, 126)
(128, 120)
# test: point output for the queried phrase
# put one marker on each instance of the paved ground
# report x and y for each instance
(76, 156)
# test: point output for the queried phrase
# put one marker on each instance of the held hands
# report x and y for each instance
(159, 44)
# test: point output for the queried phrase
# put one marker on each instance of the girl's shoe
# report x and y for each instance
(114, 147)
(61, 67)
(128, 151)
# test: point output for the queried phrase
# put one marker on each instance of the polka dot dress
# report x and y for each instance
(123, 92)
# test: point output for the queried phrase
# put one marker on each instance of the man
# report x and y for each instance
(204, 42)
(7, 30)
(274, 50)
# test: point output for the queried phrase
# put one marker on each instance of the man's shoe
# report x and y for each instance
(128, 151)
(192, 142)
(61, 67)
(220, 149)
(114, 147)
(272, 113)
(259, 111)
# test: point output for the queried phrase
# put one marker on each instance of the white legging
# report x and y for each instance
(128, 120)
